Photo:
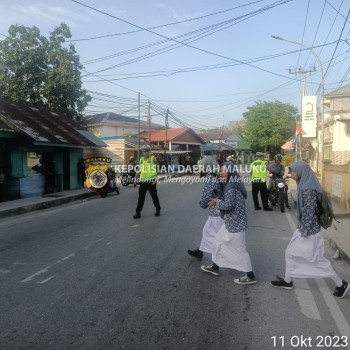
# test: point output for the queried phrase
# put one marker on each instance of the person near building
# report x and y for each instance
(81, 172)
(212, 189)
(258, 174)
(305, 252)
(229, 247)
(148, 181)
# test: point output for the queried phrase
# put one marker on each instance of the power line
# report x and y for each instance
(278, 3)
(168, 24)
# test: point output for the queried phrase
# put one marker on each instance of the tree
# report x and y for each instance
(42, 72)
(269, 125)
(237, 127)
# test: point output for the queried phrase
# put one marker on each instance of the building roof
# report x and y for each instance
(226, 136)
(342, 91)
(171, 135)
(45, 127)
(113, 118)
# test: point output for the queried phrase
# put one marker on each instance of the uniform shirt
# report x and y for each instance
(277, 170)
(308, 225)
(211, 189)
(259, 170)
(232, 206)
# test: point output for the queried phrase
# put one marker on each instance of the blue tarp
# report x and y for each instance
(207, 148)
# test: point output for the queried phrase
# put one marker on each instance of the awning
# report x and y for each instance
(208, 148)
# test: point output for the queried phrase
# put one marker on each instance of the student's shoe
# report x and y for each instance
(257, 208)
(209, 269)
(268, 209)
(157, 213)
(196, 253)
(288, 206)
(341, 291)
(245, 280)
(137, 215)
(281, 283)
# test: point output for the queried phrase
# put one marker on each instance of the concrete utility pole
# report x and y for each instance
(149, 121)
(166, 134)
(138, 127)
(319, 149)
(303, 72)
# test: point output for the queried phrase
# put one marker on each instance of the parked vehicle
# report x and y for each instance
(100, 177)
(279, 193)
(128, 179)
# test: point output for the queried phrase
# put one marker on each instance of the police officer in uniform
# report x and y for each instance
(147, 181)
(258, 174)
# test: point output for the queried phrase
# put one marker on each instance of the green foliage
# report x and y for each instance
(268, 125)
(41, 71)
(288, 159)
(237, 127)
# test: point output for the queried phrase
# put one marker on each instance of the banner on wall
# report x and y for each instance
(309, 116)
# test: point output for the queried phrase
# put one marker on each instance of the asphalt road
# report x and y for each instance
(88, 276)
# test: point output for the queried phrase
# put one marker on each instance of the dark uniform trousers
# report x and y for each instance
(151, 186)
(259, 185)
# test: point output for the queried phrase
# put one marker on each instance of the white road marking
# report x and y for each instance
(306, 300)
(66, 257)
(339, 319)
(310, 307)
(135, 225)
(5, 271)
(47, 268)
(46, 280)
(29, 278)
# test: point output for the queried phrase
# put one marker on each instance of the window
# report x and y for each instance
(34, 165)
(347, 128)
(327, 153)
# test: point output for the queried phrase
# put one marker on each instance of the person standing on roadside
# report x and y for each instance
(305, 252)
(212, 188)
(229, 247)
(148, 181)
(258, 174)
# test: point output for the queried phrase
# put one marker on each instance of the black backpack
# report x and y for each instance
(324, 211)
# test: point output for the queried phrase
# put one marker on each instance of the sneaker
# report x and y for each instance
(157, 213)
(257, 208)
(341, 291)
(245, 280)
(196, 253)
(137, 215)
(281, 283)
(268, 209)
(210, 269)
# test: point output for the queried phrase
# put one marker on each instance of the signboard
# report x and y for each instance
(309, 116)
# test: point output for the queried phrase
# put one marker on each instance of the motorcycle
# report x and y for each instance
(100, 177)
(278, 193)
(128, 179)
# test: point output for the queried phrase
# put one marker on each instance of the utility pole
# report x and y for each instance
(138, 126)
(166, 134)
(298, 136)
(149, 121)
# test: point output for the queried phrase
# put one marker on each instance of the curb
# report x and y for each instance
(45, 205)
(343, 256)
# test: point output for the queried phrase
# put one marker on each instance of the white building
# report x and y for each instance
(337, 126)
(111, 124)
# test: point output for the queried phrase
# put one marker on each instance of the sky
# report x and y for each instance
(205, 61)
